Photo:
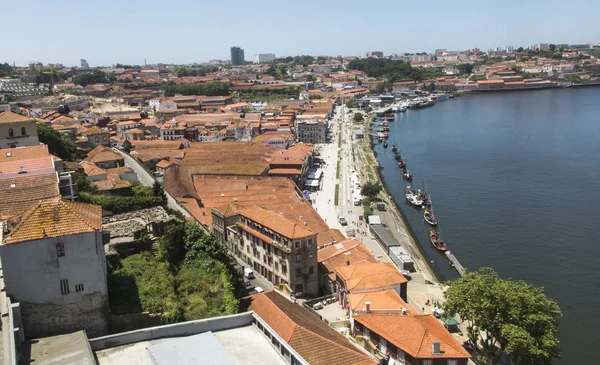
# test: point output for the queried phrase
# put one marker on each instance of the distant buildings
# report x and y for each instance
(17, 88)
(237, 56)
(84, 64)
(375, 54)
(311, 131)
(263, 57)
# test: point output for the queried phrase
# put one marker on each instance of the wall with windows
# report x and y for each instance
(18, 134)
(60, 281)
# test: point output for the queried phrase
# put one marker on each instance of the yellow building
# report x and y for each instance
(17, 130)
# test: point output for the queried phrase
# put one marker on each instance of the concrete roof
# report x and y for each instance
(233, 346)
(72, 348)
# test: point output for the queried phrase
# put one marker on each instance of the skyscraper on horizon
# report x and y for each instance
(237, 56)
(84, 63)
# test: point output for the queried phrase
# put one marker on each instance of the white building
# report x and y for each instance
(264, 58)
(16, 88)
(84, 64)
(311, 131)
(162, 104)
(54, 265)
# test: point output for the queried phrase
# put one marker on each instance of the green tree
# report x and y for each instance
(370, 189)
(349, 103)
(552, 48)
(520, 49)
(380, 88)
(506, 317)
(182, 71)
(93, 77)
(159, 191)
(358, 118)
(465, 68)
(59, 144)
(5, 70)
(140, 190)
(170, 245)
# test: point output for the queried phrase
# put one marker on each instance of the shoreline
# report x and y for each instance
(402, 225)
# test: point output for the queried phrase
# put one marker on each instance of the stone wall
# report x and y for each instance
(42, 320)
(126, 224)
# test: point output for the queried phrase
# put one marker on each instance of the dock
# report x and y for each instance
(455, 263)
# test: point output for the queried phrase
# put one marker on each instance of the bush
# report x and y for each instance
(120, 204)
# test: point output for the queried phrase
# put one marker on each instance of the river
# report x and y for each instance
(515, 184)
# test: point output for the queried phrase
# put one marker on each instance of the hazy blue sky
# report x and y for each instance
(186, 31)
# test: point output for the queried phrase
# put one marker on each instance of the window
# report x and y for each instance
(383, 345)
(298, 272)
(310, 241)
(367, 333)
(427, 362)
(79, 288)
(297, 244)
(11, 133)
(401, 356)
(276, 266)
(23, 131)
(60, 249)
(284, 268)
(311, 270)
(310, 255)
(64, 286)
(452, 362)
(298, 258)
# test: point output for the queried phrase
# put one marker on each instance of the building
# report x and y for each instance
(84, 64)
(105, 158)
(163, 104)
(310, 337)
(172, 131)
(375, 54)
(237, 56)
(311, 131)
(264, 58)
(17, 130)
(17, 88)
(281, 250)
(541, 47)
(97, 136)
(409, 339)
(54, 265)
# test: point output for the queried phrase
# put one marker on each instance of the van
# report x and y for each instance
(248, 273)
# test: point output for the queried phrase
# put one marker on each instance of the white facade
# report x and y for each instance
(162, 104)
(264, 57)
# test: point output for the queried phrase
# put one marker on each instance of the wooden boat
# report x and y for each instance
(398, 158)
(401, 164)
(436, 241)
(424, 197)
(379, 139)
(429, 217)
(394, 147)
(385, 144)
(407, 175)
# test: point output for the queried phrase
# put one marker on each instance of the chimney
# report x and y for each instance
(347, 262)
(367, 307)
(403, 311)
(22, 170)
(436, 347)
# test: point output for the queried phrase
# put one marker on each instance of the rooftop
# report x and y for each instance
(314, 340)
(347, 252)
(55, 218)
(414, 334)
(371, 276)
(17, 194)
(69, 349)
(276, 222)
(10, 117)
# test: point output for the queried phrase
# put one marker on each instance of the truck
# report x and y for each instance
(248, 273)
(342, 220)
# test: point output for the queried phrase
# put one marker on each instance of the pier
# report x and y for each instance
(455, 263)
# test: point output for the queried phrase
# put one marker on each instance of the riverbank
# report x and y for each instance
(403, 233)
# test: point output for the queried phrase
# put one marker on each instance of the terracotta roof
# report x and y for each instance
(94, 130)
(164, 164)
(103, 154)
(24, 153)
(55, 218)
(371, 276)
(310, 337)
(90, 169)
(380, 301)
(276, 222)
(111, 184)
(10, 117)
(414, 334)
(339, 254)
(33, 164)
(285, 172)
(17, 194)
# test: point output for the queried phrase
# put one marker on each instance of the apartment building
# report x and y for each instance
(281, 250)
(17, 130)
(311, 131)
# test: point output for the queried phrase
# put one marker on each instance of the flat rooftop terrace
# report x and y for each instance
(240, 345)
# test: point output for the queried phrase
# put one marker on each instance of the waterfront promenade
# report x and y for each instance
(423, 286)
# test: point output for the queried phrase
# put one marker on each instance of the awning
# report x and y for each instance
(449, 321)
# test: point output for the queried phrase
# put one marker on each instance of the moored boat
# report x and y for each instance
(412, 197)
(429, 217)
(394, 147)
(407, 175)
(436, 241)
(385, 144)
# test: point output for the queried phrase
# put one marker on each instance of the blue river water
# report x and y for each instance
(515, 183)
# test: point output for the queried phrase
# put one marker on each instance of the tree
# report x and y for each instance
(159, 191)
(520, 49)
(349, 103)
(465, 68)
(371, 189)
(380, 88)
(182, 71)
(94, 77)
(170, 246)
(552, 48)
(5, 70)
(59, 144)
(358, 118)
(506, 317)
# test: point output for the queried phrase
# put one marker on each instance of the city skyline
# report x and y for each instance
(316, 29)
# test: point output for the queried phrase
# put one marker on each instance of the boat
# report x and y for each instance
(394, 147)
(379, 139)
(385, 144)
(407, 175)
(425, 199)
(436, 241)
(412, 197)
(401, 163)
(429, 217)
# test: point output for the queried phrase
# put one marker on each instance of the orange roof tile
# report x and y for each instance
(414, 334)
(347, 252)
(111, 184)
(275, 222)
(380, 301)
(29, 165)
(24, 153)
(103, 154)
(55, 218)
(19, 193)
(370, 276)
(310, 337)
(10, 117)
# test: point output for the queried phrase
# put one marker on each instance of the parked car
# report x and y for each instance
(342, 220)
(248, 273)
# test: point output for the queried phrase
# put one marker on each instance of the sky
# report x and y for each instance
(187, 31)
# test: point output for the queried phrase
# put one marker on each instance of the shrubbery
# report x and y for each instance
(120, 204)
